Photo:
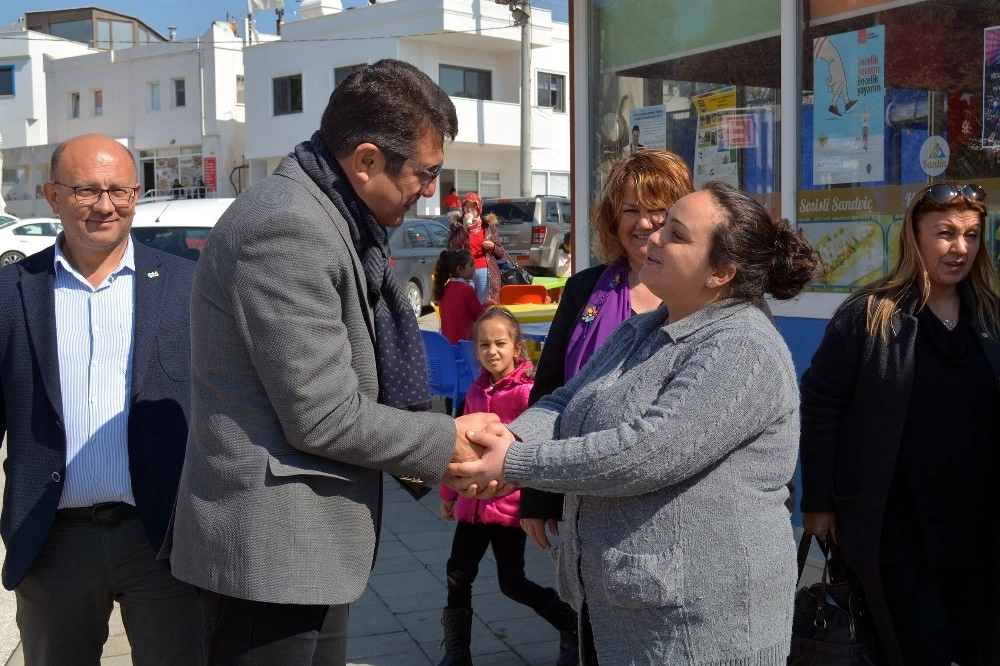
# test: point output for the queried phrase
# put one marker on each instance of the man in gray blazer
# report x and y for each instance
(309, 377)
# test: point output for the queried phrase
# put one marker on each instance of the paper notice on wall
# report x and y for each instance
(647, 128)
(714, 154)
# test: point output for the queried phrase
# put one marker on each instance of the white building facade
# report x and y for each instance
(176, 105)
(470, 47)
(24, 98)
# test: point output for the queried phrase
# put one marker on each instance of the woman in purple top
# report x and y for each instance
(639, 191)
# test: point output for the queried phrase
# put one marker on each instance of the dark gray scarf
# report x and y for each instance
(399, 352)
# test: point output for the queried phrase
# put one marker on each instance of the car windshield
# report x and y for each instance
(511, 211)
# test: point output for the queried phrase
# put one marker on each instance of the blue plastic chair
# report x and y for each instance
(468, 361)
(442, 367)
(467, 352)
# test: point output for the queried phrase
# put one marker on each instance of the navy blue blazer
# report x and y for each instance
(31, 403)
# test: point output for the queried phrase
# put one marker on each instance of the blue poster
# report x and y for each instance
(991, 88)
(849, 107)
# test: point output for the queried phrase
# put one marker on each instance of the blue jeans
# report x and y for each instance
(481, 281)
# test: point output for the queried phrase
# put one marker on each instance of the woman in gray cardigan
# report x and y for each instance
(673, 446)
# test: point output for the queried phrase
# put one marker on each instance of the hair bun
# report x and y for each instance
(793, 264)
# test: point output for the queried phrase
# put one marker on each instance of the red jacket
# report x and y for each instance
(507, 398)
(459, 308)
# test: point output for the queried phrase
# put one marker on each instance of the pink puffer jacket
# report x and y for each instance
(507, 399)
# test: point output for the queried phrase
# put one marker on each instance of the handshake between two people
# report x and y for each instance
(476, 469)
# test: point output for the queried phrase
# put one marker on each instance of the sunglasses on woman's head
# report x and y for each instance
(944, 193)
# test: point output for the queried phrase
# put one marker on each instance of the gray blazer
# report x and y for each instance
(673, 446)
(280, 495)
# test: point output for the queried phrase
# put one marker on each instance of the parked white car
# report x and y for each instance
(177, 226)
(21, 238)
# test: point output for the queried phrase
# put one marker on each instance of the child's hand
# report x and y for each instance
(448, 509)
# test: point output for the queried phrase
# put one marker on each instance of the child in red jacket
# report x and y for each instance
(458, 304)
(501, 388)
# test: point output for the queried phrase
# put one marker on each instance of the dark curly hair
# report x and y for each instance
(768, 255)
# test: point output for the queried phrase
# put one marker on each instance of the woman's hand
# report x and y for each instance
(483, 478)
(535, 528)
(488, 245)
(821, 524)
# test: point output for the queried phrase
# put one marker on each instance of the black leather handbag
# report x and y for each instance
(831, 625)
(511, 272)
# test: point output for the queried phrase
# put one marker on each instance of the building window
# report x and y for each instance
(179, 97)
(98, 103)
(465, 82)
(74, 105)
(154, 96)
(287, 91)
(241, 94)
(551, 89)
(7, 81)
(341, 73)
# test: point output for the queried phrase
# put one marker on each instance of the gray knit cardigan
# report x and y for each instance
(673, 446)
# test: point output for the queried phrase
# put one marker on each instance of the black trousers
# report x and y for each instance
(937, 613)
(467, 550)
(238, 632)
(64, 602)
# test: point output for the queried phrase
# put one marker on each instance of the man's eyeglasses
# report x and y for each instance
(944, 193)
(430, 175)
(86, 194)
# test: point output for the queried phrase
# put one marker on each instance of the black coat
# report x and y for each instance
(855, 397)
(550, 374)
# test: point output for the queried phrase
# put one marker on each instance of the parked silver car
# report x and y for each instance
(415, 246)
(532, 229)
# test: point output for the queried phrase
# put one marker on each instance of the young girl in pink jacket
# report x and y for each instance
(501, 388)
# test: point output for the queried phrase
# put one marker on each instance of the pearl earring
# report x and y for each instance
(711, 282)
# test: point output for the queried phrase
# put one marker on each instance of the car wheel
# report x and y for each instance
(415, 298)
(10, 257)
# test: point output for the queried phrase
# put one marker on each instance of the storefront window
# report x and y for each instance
(698, 79)
(892, 95)
(895, 96)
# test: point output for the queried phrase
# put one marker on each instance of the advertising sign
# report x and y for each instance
(208, 165)
(991, 87)
(647, 128)
(849, 107)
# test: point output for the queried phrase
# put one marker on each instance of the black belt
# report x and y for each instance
(108, 513)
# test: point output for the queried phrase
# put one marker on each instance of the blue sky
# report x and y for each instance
(192, 17)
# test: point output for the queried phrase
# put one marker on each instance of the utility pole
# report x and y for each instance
(526, 99)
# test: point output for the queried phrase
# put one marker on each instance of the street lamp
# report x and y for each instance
(521, 13)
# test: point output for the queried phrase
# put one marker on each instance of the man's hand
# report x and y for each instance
(483, 478)
(466, 451)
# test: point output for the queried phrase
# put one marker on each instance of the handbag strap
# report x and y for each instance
(804, 544)
(508, 257)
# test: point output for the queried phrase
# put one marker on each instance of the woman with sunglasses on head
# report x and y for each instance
(899, 433)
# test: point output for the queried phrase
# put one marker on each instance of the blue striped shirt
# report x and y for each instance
(95, 336)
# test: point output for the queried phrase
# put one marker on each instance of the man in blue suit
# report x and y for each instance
(94, 400)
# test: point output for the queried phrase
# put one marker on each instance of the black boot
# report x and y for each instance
(562, 616)
(457, 636)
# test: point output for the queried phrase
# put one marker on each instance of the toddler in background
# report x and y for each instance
(564, 262)
(458, 304)
(501, 388)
